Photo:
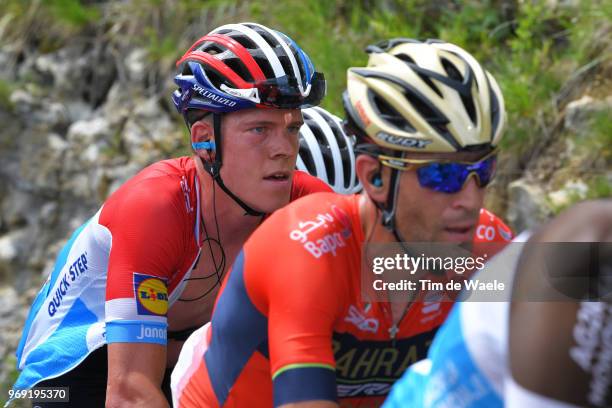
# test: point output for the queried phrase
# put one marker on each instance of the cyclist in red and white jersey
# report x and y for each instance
(144, 269)
(291, 327)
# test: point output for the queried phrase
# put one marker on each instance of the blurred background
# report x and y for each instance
(85, 103)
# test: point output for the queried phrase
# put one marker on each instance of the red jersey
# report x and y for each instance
(290, 323)
(116, 278)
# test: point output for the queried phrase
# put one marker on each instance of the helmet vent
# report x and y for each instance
(211, 48)
(432, 117)
(343, 148)
(276, 48)
(325, 149)
(338, 135)
(186, 69)
(216, 79)
(465, 92)
(451, 70)
(346, 163)
(245, 41)
(238, 67)
(306, 156)
(296, 56)
(228, 58)
(468, 103)
(284, 60)
(389, 114)
(256, 53)
(266, 36)
(408, 60)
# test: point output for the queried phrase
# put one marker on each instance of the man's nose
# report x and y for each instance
(284, 144)
(470, 196)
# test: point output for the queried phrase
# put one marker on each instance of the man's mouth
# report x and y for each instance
(278, 176)
(459, 229)
(459, 232)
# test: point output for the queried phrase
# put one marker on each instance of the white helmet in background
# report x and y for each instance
(327, 152)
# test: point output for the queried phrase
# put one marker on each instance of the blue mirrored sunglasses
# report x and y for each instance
(447, 176)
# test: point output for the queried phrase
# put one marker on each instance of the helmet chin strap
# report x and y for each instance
(390, 207)
(388, 215)
(214, 169)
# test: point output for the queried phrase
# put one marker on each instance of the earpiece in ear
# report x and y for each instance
(377, 180)
(210, 146)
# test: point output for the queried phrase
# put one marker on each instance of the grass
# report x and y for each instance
(595, 140)
(601, 135)
(5, 92)
(531, 48)
(71, 13)
(599, 187)
(5, 386)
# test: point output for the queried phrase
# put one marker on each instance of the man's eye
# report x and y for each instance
(294, 129)
(259, 129)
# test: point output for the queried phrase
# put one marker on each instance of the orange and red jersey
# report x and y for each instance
(290, 323)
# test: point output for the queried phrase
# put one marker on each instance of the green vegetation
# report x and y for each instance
(529, 46)
(71, 13)
(5, 93)
(8, 382)
(541, 55)
(601, 135)
(47, 23)
(599, 187)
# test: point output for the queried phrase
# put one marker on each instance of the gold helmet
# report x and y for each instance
(427, 96)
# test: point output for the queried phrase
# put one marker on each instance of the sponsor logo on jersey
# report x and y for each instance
(147, 332)
(403, 141)
(431, 307)
(489, 233)
(591, 349)
(151, 295)
(363, 367)
(328, 243)
(505, 234)
(485, 233)
(369, 389)
(362, 322)
(76, 269)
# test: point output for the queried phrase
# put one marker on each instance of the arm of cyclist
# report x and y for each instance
(302, 303)
(147, 241)
(135, 373)
(559, 363)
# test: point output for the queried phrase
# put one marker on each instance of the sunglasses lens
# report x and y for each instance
(486, 170)
(450, 177)
(443, 177)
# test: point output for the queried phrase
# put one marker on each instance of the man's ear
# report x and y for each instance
(374, 177)
(202, 139)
